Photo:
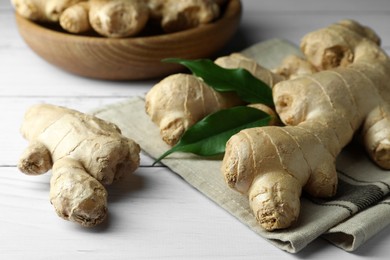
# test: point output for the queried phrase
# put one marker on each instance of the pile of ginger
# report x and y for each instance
(120, 18)
(339, 89)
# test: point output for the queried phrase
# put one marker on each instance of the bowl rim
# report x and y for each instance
(232, 9)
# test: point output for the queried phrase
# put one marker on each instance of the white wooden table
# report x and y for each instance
(154, 214)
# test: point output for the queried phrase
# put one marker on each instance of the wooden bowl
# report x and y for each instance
(129, 58)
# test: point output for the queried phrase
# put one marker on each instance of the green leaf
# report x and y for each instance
(209, 136)
(247, 87)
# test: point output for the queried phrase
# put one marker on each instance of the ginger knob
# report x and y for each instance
(85, 154)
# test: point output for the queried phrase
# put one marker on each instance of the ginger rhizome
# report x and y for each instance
(110, 18)
(43, 10)
(120, 18)
(338, 90)
(174, 15)
(322, 112)
(75, 19)
(179, 101)
(85, 154)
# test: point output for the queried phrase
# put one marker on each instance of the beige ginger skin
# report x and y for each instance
(43, 10)
(120, 18)
(338, 90)
(84, 152)
(75, 19)
(322, 112)
(179, 101)
(109, 18)
(178, 15)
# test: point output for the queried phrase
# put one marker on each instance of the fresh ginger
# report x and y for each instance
(75, 19)
(85, 153)
(322, 112)
(339, 90)
(120, 18)
(110, 18)
(293, 66)
(179, 101)
(174, 15)
(43, 10)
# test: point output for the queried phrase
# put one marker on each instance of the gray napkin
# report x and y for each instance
(358, 211)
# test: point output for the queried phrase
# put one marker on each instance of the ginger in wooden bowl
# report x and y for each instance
(97, 45)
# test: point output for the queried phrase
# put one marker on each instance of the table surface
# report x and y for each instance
(153, 214)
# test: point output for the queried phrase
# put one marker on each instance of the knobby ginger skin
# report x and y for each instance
(122, 18)
(118, 18)
(75, 19)
(293, 66)
(322, 112)
(236, 60)
(179, 101)
(43, 10)
(175, 15)
(111, 18)
(186, 14)
(85, 153)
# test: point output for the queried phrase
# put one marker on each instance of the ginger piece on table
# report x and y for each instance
(84, 152)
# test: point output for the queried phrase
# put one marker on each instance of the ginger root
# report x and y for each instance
(339, 90)
(180, 15)
(43, 10)
(179, 101)
(120, 18)
(75, 19)
(85, 153)
(293, 66)
(110, 18)
(322, 112)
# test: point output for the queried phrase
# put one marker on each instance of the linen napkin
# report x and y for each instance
(358, 211)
